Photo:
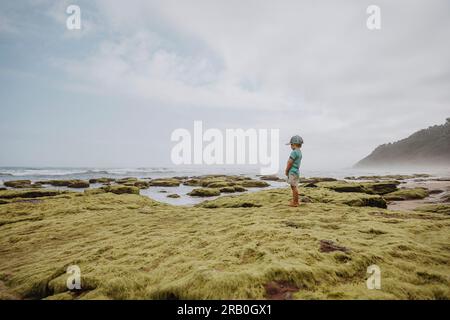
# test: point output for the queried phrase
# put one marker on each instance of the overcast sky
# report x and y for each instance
(111, 94)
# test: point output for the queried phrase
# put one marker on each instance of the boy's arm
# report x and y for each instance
(289, 166)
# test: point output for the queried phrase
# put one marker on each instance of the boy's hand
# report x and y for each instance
(288, 166)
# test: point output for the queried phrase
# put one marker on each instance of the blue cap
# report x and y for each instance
(295, 140)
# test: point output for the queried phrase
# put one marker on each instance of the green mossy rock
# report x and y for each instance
(164, 182)
(75, 183)
(204, 192)
(271, 178)
(254, 184)
(18, 183)
(232, 189)
(316, 180)
(141, 184)
(29, 193)
(192, 182)
(407, 194)
(379, 188)
(94, 191)
(127, 180)
(78, 184)
(121, 189)
(354, 199)
(102, 180)
(217, 184)
(390, 177)
(435, 208)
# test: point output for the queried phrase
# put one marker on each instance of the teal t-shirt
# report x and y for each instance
(296, 156)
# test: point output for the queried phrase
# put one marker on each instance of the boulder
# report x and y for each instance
(30, 193)
(435, 208)
(94, 191)
(126, 180)
(18, 183)
(141, 184)
(379, 188)
(56, 183)
(407, 194)
(316, 179)
(271, 178)
(192, 182)
(204, 192)
(217, 184)
(121, 189)
(239, 189)
(78, 184)
(254, 184)
(164, 182)
(102, 180)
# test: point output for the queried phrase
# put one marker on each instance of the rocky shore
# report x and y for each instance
(234, 245)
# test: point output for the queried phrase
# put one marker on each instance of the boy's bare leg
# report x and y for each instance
(294, 202)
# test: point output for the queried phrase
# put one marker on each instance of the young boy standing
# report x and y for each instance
(292, 168)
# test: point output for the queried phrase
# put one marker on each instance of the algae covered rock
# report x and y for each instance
(230, 202)
(316, 180)
(94, 191)
(271, 178)
(435, 208)
(192, 182)
(75, 183)
(29, 193)
(121, 189)
(233, 189)
(407, 194)
(164, 182)
(128, 181)
(379, 188)
(217, 184)
(102, 180)
(18, 183)
(354, 199)
(254, 184)
(141, 184)
(78, 184)
(204, 192)
(173, 196)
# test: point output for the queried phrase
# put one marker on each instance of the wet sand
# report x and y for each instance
(432, 185)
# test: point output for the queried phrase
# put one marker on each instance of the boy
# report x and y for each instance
(292, 167)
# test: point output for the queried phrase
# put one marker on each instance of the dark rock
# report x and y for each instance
(280, 290)
(330, 246)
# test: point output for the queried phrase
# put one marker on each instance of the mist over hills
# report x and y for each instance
(425, 148)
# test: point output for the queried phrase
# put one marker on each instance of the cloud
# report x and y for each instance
(301, 66)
